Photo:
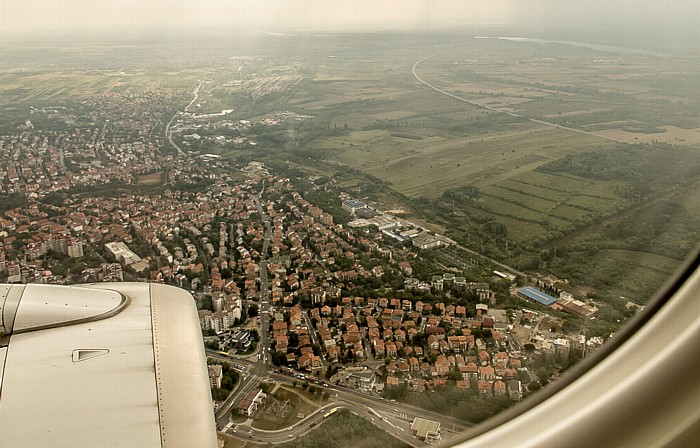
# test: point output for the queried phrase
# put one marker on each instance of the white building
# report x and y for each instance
(251, 402)
(218, 302)
(75, 249)
(216, 374)
(223, 319)
(122, 253)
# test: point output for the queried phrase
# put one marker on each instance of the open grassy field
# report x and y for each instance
(51, 88)
(151, 179)
(344, 429)
(689, 198)
(671, 134)
(429, 166)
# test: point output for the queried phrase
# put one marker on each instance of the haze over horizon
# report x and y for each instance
(37, 17)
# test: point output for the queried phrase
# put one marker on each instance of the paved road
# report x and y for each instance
(397, 428)
(246, 383)
(258, 369)
(196, 95)
(169, 136)
(495, 109)
(449, 424)
(168, 132)
(264, 294)
(398, 415)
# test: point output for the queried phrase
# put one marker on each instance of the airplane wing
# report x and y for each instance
(111, 364)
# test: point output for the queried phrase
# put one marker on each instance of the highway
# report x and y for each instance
(512, 114)
(169, 136)
(398, 415)
(399, 429)
(449, 424)
(246, 383)
(196, 95)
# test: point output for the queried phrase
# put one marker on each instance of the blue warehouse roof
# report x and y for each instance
(537, 295)
(354, 203)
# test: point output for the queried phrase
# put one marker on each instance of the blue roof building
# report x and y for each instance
(528, 292)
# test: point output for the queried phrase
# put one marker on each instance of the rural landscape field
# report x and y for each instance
(543, 154)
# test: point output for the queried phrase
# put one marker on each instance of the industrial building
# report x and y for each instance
(426, 430)
(353, 205)
(530, 293)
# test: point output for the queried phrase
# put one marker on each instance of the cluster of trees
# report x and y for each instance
(12, 200)
(644, 169)
(467, 405)
(546, 366)
(462, 195)
(65, 266)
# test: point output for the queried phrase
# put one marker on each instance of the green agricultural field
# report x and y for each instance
(569, 213)
(522, 186)
(537, 204)
(501, 154)
(519, 230)
(429, 166)
(596, 204)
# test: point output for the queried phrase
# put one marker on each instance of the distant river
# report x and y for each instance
(598, 47)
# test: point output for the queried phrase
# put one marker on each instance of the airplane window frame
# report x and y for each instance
(690, 266)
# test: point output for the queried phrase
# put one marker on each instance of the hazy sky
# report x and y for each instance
(22, 17)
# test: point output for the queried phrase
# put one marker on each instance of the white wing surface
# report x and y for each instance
(117, 364)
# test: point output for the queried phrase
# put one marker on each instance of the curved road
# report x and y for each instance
(168, 132)
(494, 109)
(392, 417)
(317, 418)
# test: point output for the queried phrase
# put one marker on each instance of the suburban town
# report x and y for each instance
(340, 298)
(314, 224)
